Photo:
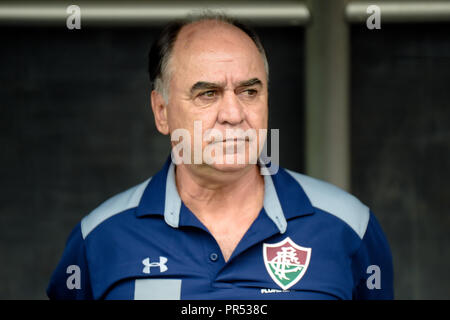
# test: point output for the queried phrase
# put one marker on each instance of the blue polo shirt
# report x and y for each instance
(311, 240)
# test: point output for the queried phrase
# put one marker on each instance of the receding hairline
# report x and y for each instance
(161, 78)
(195, 26)
(190, 30)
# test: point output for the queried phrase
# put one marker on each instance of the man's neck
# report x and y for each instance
(226, 203)
(220, 193)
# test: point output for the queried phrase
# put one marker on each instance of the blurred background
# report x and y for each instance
(360, 102)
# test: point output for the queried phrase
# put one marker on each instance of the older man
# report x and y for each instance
(209, 225)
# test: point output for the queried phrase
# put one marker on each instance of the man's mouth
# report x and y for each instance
(229, 141)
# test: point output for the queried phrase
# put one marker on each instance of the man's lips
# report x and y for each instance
(235, 140)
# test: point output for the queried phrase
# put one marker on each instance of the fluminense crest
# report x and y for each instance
(286, 262)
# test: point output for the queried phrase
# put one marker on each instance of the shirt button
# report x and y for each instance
(213, 257)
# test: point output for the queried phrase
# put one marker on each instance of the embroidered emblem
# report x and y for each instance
(286, 262)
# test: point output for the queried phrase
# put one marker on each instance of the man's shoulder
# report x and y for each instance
(334, 200)
(117, 204)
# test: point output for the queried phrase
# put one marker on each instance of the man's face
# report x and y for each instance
(218, 79)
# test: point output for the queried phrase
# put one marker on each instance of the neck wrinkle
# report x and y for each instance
(201, 192)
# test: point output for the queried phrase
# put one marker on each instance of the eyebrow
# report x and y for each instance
(251, 82)
(204, 85)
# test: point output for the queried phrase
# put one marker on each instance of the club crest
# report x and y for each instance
(286, 262)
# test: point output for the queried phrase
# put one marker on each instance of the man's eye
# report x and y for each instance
(208, 94)
(250, 92)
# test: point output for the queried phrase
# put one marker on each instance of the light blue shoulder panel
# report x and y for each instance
(117, 204)
(335, 201)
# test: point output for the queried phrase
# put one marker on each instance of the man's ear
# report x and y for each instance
(159, 108)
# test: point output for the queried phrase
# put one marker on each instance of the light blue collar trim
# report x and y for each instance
(172, 205)
(272, 205)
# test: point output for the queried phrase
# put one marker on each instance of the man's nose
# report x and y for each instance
(231, 110)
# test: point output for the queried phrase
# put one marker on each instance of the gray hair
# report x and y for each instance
(161, 51)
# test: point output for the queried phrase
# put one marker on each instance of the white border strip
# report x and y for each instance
(281, 13)
(400, 11)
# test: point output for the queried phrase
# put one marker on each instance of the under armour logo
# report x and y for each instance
(161, 264)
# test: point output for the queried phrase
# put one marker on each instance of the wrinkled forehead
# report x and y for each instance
(211, 32)
(200, 39)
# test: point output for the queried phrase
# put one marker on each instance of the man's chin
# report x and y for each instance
(230, 167)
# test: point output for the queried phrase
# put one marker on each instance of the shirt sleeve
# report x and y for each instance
(70, 280)
(372, 265)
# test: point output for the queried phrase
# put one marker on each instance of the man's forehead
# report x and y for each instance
(202, 36)
(191, 31)
(205, 50)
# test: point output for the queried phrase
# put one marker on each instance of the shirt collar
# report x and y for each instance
(284, 198)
